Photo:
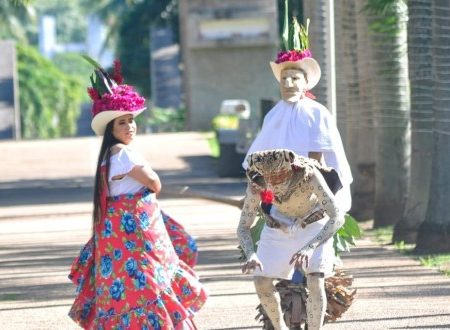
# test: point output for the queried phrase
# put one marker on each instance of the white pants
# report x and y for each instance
(276, 248)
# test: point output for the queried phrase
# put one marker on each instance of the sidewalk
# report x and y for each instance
(45, 205)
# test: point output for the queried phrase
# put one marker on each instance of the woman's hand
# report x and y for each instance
(302, 257)
(251, 264)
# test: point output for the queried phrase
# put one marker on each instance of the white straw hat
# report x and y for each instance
(307, 64)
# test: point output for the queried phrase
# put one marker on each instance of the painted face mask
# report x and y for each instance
(292, 85)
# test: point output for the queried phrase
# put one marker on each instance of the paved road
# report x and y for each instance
(44, 220)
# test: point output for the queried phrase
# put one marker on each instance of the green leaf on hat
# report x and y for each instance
(100, 80)
(285, 35)
(91, 61)
(296, 36)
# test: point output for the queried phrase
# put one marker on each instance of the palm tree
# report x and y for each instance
(13, 13)
(361, 153)
(420, 76)
(434, 232)
(342, 99)
(316, 12)
(355, 77)
(387, 19)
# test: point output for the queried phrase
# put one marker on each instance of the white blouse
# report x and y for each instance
(122, 163)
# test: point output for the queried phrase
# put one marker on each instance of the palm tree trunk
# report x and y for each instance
(342, 82)
(420, 76)
(360, 123)
(391, 105)
(316, 12)
(352, 49)
(355, 76)
(434, 233)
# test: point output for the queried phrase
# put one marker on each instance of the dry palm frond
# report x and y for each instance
(340, 295)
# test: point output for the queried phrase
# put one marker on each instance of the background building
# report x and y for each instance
(226, 47)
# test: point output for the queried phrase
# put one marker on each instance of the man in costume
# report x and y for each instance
(305, 128)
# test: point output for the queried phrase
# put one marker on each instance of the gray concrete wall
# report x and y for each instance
(165, 72)
(231, 73)
(9, 102)
(226, 67)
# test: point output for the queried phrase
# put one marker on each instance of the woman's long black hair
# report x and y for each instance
(104, 156)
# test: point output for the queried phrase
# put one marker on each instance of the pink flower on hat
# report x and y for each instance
(292, 55)
(123, 98)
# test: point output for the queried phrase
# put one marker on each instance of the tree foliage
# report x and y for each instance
(70, 17)
(133, 46)
(15, 19)
(49, 99)
(295, 10)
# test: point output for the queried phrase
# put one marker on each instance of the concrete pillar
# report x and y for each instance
(165, 73)
(9, 100)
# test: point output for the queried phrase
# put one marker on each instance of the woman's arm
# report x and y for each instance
(248, 214)
(146, 176)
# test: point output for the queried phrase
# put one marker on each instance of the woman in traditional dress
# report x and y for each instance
(134, 272)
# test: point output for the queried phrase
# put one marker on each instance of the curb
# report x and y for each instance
(169, 192)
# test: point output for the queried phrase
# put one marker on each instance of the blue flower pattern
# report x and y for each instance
(106, 266)
(126, 320)
(108, 229)
(85, 254)
(117, 289)
(130, 245)
(117, 254)
(128, 223)
(127, 263)
(154, 321)
(140, 280)
(131, 267)
(144, 220)
(147, 246)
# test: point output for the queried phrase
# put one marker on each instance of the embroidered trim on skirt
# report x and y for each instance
(129, 275)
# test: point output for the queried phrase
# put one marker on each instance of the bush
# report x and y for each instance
(225, 121)
(75, 66)
(133, 44)
(49, 99)
(167, 119)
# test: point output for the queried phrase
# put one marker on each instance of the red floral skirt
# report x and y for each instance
(131, 274)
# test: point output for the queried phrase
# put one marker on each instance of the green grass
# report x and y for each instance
(214, 147)
(440, 261)
(382, 235)
(9, 297)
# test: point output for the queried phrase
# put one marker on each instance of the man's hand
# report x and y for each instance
(301, 258)
(251, 265)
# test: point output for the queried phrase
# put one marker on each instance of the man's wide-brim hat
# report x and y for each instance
(110, 97)
(307, 64)
(101, 120)
(296, 53)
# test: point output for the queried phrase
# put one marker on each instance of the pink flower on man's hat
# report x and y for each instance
(296, 53)
(292, 55)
